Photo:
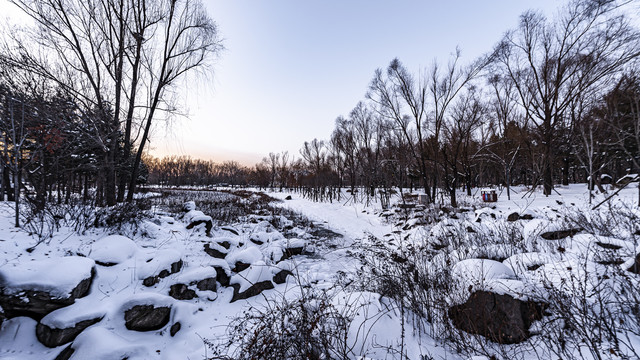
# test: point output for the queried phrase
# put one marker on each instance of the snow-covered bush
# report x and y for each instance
(125, 217)
(311, 325)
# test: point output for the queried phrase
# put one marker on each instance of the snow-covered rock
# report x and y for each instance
(35, 288)
(98, 343)
(63, 325)
(147, 312)
(112, 250)
(499, 317)
(158, 265)
(252, 281)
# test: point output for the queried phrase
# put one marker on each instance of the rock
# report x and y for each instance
(222, 276)
(150, 281)
(635, 268)
(36, 303)
(291, 251)
(218, 252)
(208, 223)
(559, 234)
(240, 266)
(514, 216)
(254, 290)
(208, 284)
(189, 206)
(63, 325)
(112, 250)
(174, 329)
(53, 337)
(288, 197)
(500, 318)
(146, 317)
(181, 292)
(281, 276)
(526, 217)
(173, 268)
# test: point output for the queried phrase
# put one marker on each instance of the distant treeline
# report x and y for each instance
(555, 101)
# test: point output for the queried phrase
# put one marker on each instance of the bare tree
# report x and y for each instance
(622, 113)
(122, 59)
(458, 130)
(552, 63)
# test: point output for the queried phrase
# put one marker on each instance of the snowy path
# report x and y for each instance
(353, 221)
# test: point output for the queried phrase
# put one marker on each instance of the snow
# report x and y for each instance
(480, 274)
(195, 274)
(57, 276)
(148, 298)
(99, 343)
(523, 262)
(376, 324)
(249, 255)
(155, 262)
(113, 249)
(66, 317)
(259, 271)
(195, 215)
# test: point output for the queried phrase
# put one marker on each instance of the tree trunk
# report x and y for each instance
(16, 196)
(565, 171)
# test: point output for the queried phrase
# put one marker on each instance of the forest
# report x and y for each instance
(371, 242)
(556, 101)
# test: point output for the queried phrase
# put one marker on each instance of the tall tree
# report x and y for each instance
(554, 62)
(120, 59)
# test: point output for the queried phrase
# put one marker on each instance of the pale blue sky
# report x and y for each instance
(292, 66)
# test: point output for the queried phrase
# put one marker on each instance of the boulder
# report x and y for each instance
(203, 278)
(175, 328)
(217, 251)
(500, 318)
(208, 223)
(173, 268)
(208, 284)
(189, 206)
(112, 250)
(253, 290)
(36, 288)
(53, 337)
(63, 325)
(559, 234)
(514, 216)
(194, 218)
(146, 317)
(281, 276)
(222, 276)
(292, 247)
(240, 266)
(181, 292)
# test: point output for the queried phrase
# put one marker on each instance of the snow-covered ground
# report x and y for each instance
(166, 258)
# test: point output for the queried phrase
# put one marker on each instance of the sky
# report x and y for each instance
(291, 67)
